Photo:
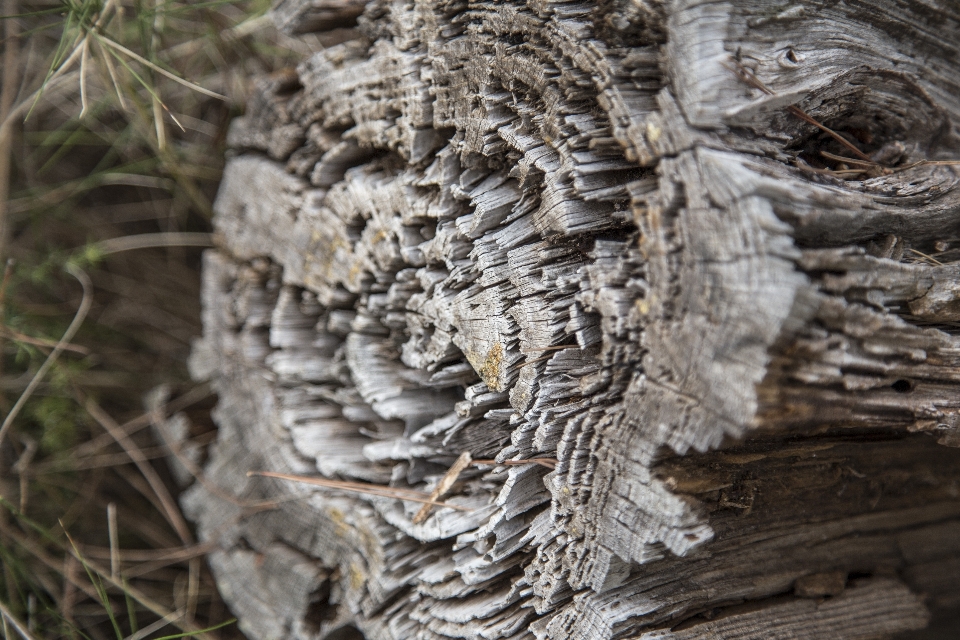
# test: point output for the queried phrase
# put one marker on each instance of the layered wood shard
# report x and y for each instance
(506, 231)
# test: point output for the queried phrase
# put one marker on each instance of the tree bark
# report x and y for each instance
(700, 259)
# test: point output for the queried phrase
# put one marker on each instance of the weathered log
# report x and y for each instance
(637, 241)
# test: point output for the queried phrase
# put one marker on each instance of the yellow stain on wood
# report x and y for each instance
(489, 366)
(357, 577)
(355, 271)
(339, 521)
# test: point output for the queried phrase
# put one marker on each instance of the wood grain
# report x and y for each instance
(572, 231)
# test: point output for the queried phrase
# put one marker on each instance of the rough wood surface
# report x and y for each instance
(584, 233)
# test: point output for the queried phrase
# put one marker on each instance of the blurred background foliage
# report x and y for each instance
(114, 118)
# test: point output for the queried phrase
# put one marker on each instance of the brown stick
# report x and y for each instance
(130, 427)
(397, 493)
(170, 508)
(7, 332)
(748, 77)
(549, 463)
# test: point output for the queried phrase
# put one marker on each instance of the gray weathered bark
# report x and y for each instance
(584, 233)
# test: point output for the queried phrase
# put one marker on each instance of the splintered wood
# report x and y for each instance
(659, 357)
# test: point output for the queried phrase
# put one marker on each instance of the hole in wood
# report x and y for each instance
(320, 609)
(887, 117)
(348, 632)
(902, 386)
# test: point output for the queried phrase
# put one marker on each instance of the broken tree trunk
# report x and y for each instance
(700, 259)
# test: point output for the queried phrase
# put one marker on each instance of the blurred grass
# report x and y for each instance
(111, 127)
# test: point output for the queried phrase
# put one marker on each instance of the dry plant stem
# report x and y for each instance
(105, 12)
(169, 505)
(444, 486)
(748, 77)
(61, 345)
(61, 72)
(863, 163)
(549, 463)
(168, 555)
(112, 72)
(9, 618)
(96, 461)
(114, 544)
(384, 491)
(31, 611)
(156, 626)
(157, 108)
(166, 503)
(69, 189)
(540, 359)
(119, 47)
(158, 124)
(7, 332)
(155, 240)
(21, 469)
(196, 394)
(926, 257)
(147, 529)
(84, 55)
(559, 347)
(197, 551)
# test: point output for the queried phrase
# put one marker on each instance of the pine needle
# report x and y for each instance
(119, 47)
(408, 495)
(749, 78)
(15, 335)
(84, 54)
(112, 71)
(549, 463)
(153, 240)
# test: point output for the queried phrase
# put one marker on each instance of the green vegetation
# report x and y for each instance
(114, 116)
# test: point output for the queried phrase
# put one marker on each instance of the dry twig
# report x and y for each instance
(870, 166)
(383, 491)
(549, 463)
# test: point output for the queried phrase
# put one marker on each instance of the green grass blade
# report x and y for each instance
(98, 586)
(131, 611)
